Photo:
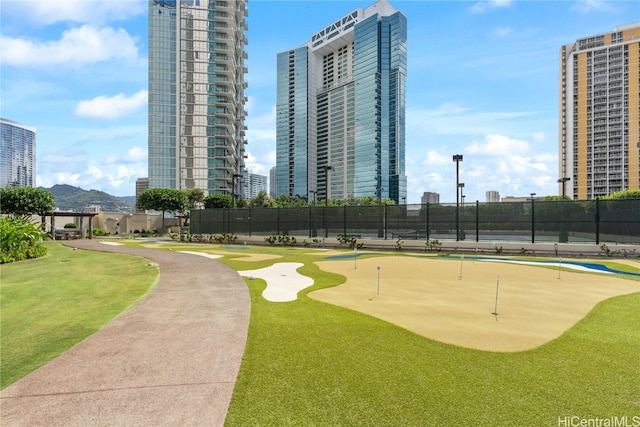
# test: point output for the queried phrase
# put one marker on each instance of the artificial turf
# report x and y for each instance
(314, 364)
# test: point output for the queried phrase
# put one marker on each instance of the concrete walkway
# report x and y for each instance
(171, 360)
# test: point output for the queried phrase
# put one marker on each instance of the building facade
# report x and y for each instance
(196, 94)
(430, 197)
(17, 154)
(600, 114)
(272, 182)
(341, 109)
(255, 184)
(492, 196)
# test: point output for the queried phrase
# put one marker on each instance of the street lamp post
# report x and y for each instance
(457, 158)
(563, 181)
(326, 168)
(314, 192)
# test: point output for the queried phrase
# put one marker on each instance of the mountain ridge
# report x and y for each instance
(70, 198)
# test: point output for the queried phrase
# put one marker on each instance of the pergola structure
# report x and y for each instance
(74, 215)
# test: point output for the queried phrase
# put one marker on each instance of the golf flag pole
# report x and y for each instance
(495, 309)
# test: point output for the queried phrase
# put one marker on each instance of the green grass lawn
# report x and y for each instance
(49, 304)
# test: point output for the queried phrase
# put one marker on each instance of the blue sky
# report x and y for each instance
(482, 81)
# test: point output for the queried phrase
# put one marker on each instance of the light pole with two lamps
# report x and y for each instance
(563, 181)
(457, 158)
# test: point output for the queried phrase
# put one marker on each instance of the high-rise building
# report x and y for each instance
(600, 114)
(430, 197)
(492, 196)
(196, 94)
(17, 154)
(255, 184)
(272, 183)
(341, 109)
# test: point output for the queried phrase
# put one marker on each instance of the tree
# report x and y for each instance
(195, 197)
(624, 194)
(218, 201)
(162, 199)
(24, 202)
(262, 200)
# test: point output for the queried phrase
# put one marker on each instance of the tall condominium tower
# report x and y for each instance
(196, 95)
(600, 114)
(341, 109)
(17, 154)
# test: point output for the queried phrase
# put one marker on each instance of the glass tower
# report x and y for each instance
(196, 95)
(18, 158)
(341, 109)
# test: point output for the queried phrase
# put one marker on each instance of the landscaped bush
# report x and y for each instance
(70, 225)
(19, 240)
(98, 232)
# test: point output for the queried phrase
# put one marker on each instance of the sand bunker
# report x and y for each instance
(204, 254)
(453, 300)
(283, 281)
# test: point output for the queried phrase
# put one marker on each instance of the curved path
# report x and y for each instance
(172, 359)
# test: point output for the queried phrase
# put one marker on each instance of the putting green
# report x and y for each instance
(452, 300)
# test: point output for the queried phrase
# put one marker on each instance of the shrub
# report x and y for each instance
(19, 240)
(433, 245)
(98, 232)
(70, 225)
(351, 241)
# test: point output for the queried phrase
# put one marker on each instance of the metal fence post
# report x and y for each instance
(427, 221)
(477, 221)
(345, 220)
(533, 221)
(384, 219)
(597, 219)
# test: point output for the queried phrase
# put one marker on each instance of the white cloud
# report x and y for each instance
(254, 166)
(497, 145)
(546, 157)
(435, 158)
(86, 44)
(539, 137)
(69, 178)
(136, 154)
(484, 5)
(95, 172)
(261, 135)
(47, 12)
(586, 6)
(103, 107)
